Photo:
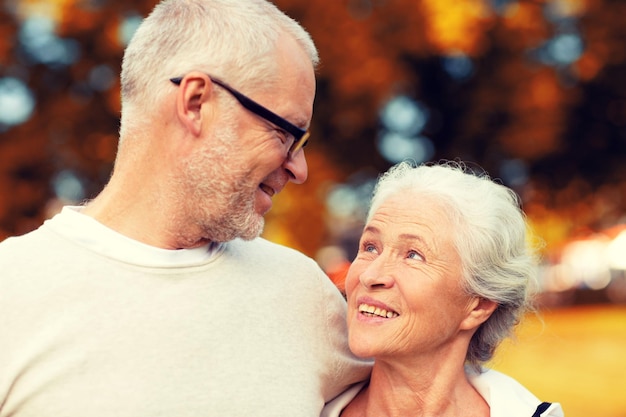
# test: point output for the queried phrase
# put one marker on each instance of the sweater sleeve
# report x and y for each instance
(346, 369)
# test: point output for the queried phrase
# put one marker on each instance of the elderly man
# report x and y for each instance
(158, 298)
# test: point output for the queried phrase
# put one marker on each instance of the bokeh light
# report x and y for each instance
(403, 119)
(68, 187)
(128, 27)
(41, 45)
(16, 102)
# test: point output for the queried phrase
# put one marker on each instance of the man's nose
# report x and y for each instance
(296, 167)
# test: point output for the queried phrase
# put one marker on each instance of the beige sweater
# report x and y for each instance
(256, 329)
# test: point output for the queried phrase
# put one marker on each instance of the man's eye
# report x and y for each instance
(285, 137)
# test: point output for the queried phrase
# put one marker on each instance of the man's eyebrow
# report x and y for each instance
(300, 122)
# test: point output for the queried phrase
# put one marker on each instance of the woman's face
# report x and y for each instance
(404, 286)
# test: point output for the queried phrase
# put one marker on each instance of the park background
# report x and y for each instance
(532, 91)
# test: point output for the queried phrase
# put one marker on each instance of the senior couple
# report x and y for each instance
(158, 298)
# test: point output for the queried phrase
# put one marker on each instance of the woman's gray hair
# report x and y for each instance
(491, 237)
(233, 40)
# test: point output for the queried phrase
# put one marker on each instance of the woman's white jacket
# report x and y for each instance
(506, 397)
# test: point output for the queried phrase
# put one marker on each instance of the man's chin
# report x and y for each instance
(252, 231)
(247, 230)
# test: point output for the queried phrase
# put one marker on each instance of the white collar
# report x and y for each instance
(90, 233)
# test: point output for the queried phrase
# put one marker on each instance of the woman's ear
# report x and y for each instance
(194, 92)
(479, 310)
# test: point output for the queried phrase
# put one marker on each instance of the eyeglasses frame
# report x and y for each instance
(301, 136)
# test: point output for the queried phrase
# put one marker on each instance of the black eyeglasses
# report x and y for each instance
(300, 136)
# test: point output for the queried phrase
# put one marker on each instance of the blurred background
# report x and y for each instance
(532, 91)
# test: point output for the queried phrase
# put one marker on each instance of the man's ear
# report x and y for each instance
(194, 92)
(479, 310)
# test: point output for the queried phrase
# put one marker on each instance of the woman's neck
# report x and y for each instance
(400, 391)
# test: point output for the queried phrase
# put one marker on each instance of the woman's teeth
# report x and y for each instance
(371, 311)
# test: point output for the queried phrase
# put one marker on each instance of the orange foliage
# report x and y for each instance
(456, 26)
(588, 65)
(359, 62)
(297, 217)
(537, 103)
(6, 45)
(511, 108)
(526, 21)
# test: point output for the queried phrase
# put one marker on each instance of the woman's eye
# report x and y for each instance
(415, 255)
(369, 248)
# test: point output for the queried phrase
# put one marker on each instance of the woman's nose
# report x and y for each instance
(377, 275)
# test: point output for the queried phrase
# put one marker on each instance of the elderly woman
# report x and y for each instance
(442, 275)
